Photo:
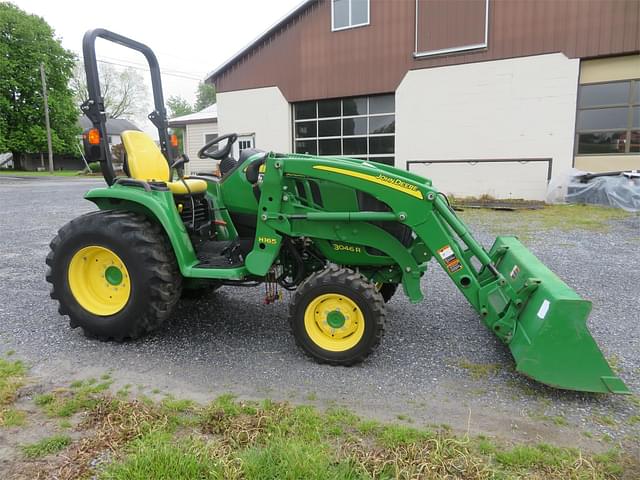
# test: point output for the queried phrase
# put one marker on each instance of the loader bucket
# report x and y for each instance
(551, 342)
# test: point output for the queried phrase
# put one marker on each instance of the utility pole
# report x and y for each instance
(46, 116)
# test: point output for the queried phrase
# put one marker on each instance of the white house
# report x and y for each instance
(199, 128)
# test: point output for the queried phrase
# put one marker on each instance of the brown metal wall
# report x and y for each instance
(309, 61)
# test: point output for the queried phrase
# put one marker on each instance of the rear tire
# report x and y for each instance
(131, 288)
(337, 316)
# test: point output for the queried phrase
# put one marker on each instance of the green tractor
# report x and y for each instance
(341, 233)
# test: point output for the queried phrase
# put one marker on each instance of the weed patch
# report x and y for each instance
(65, 402)
(46, 446)
(11, 379)
(229, 439)
(12, 417)
(479, 371)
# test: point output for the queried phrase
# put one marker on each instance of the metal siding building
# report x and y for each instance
(485, 93)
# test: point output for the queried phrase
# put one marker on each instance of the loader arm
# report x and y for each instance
(519, 299)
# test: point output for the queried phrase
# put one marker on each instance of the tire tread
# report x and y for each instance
(149, 241)
(333, 275)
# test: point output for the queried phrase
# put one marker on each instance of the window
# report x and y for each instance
(209, 136)
(349, 14)
(358, 127)
(608, 118)
(244, 142)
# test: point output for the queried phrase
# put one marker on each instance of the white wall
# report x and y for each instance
(263, 112)
(194, 141)
(505, 109)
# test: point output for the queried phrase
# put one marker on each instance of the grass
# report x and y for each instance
(606, 420)
(11, 379)
(541, 455)
(24, 173)
(558, 420)
(12, 417)
(176, 405)
(46, 446)
(404, 418)
(138, 438)
(529, 223)
(479, 371)
(82, 395)
(159, 456)
(229, 439)
(291, 459)
(393, 436)
(614, 363)
(12, 375)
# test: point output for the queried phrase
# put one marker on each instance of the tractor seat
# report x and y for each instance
(146, 162)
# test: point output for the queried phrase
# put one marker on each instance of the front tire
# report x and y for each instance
(337, 316)
(114, 274)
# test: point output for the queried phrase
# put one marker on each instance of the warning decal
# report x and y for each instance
(514, 272)
(449, 258)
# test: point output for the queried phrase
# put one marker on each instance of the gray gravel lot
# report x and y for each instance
(232, 342)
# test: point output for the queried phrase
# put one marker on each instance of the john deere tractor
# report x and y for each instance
(341, 233)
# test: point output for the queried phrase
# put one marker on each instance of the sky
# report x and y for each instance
(189, 37)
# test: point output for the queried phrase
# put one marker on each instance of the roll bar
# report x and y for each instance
(94, 106)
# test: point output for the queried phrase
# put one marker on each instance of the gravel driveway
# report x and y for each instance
(437, 364)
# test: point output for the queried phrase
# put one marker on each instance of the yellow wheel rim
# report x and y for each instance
(99, 280)
(334, 322)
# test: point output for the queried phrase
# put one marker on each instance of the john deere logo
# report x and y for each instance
(267, 240)
(397, 181)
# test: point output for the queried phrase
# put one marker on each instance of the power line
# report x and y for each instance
(138, 66)
(135, 67)
(144, 65)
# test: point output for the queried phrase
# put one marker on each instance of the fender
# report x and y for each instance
(157, 205)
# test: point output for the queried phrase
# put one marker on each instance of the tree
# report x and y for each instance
(178, 106)
(25, 42)
(123, 90)
(205, 97)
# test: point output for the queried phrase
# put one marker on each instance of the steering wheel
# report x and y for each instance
(220, 153)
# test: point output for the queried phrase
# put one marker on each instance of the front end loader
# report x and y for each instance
(342, 234)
